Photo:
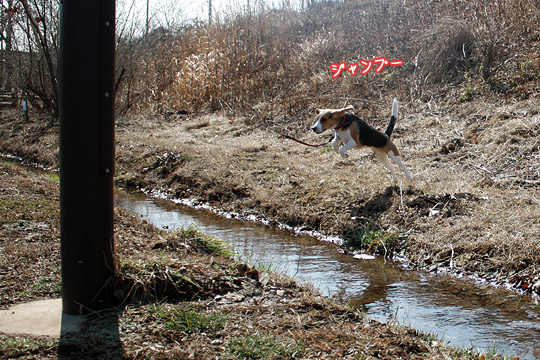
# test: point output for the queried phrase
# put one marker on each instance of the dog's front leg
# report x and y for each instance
(335, 143)
(348, 146)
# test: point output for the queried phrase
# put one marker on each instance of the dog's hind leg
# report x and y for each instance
(397, 160)
(383, 158)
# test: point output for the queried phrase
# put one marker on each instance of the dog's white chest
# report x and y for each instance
(344, 135)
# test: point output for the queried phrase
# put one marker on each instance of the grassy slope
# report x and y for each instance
(468, 208)
(468, 128)
(179, 295)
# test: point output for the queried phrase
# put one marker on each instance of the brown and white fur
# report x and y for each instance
(355, 133)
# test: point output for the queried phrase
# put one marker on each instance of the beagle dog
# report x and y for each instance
(353, 132)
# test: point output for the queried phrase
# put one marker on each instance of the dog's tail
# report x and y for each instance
(393, 119)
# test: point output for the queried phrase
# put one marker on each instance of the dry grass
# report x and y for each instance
(29, 230)
(468, 130)
(475, 168)
(471, 142)
(181, 298)
(474, 192)
(274, 64)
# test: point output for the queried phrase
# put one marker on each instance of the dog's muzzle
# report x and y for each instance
(317, 129)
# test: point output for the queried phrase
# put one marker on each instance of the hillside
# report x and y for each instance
(468, 128)
(201, 114)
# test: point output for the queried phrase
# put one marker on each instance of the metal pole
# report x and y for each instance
(86, 68)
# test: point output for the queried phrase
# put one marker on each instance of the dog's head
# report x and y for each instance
(329, 118)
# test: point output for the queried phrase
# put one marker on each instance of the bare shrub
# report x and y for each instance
(476, 36)
(449, 50)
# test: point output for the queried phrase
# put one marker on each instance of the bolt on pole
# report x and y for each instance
(86, 74)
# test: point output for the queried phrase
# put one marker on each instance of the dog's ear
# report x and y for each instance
(342, 111)
(349, 107)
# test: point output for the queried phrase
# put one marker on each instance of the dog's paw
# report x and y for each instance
(344, 155)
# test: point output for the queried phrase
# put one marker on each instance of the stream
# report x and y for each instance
(461, 312)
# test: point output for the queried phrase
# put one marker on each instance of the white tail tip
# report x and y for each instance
(395, 108)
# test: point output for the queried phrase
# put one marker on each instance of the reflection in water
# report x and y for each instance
(461, 312)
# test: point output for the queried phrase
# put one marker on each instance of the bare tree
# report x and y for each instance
(29, 32)
(6, 38)
(41, 30)
(210, 12)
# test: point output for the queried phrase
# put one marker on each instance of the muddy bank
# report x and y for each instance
(472, 208)
(180, 295)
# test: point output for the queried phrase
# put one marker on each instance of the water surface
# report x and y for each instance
(459, 311)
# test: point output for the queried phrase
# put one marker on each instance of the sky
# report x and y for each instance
(162, 12)
(175, 12)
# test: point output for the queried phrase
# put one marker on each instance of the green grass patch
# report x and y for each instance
(206, 243)
(326, 149)
(372, 240)
(28, 209)
(49, 284)
(52, 176)
(10, 164)
(46, 174)
(12, 347)
(259, 264)
(152, 281)
(182, 318)
(182, 158)
(265, 347)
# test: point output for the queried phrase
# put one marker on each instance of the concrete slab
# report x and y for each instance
(39, 318)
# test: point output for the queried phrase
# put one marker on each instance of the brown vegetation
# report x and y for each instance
(468, 129)
(274, 64)
(201, 111)
(178, 295)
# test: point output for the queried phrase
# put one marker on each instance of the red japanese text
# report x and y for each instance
(377, 64)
